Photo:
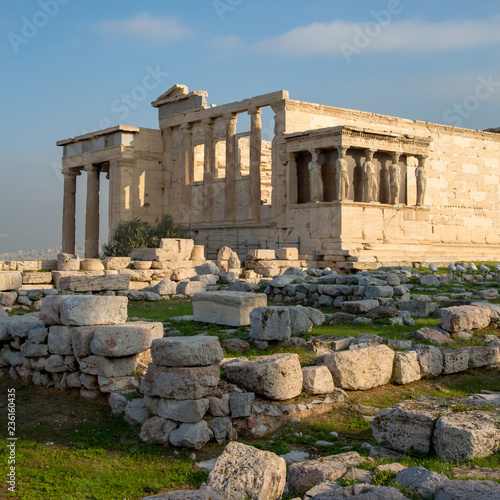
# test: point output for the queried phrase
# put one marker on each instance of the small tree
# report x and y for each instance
(136, 233)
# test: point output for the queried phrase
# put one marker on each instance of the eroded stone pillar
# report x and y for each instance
(209, 170)
(394, 179)
(230, 187)
(315, 179)
(187, 162)
(92, 216)
(255, 162)
(342, 175)
(370, 183)
(69, 211)
(421, 180)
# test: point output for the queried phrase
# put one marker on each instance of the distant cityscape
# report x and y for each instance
(46, 254)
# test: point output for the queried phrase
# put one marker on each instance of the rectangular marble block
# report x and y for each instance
(226, 308)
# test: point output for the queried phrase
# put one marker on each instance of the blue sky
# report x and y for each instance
(73, 66)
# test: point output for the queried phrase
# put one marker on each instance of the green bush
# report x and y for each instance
(136, 233)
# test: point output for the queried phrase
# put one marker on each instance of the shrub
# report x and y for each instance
(136, 233)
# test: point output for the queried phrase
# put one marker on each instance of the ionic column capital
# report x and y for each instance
(254, 110)
(71, 172)
(186, 127)
(91, 168)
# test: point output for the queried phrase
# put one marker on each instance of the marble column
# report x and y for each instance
(92, 216)
(208, 170)
(167, 169)
(230, 187)
(255, 162)
(69, 210)
(187, 164)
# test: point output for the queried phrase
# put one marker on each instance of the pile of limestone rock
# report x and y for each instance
(79, 342)
(361, 293)
(455, 429)
(242, 471)
(191, 405)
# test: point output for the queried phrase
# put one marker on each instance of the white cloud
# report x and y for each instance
(374, 36)
(145, 27)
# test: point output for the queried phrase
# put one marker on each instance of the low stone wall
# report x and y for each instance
(80, 342)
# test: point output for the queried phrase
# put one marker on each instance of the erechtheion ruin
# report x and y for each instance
(354, 188)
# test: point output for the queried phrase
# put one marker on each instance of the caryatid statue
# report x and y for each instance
(395, 179)
(315, 180)
(421, 180)
(341, 175)
(370, 184)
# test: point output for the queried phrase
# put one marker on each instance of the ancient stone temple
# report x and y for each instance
(356, 189)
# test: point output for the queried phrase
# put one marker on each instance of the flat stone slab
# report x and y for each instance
(10, 280)
(88, 310)
(186, 351)
(104, 283)
(226, 308)
(125, 340)
(180, 383)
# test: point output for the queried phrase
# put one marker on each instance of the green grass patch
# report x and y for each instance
(93, 454)
(161, 310)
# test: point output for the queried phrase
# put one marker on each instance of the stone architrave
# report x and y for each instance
(370, 184)
(421, 180)
(342, 175)
(226, 308)
(395, 179)
(315, 180)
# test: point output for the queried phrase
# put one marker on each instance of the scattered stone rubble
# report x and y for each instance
(243, 471)
(456, 429)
